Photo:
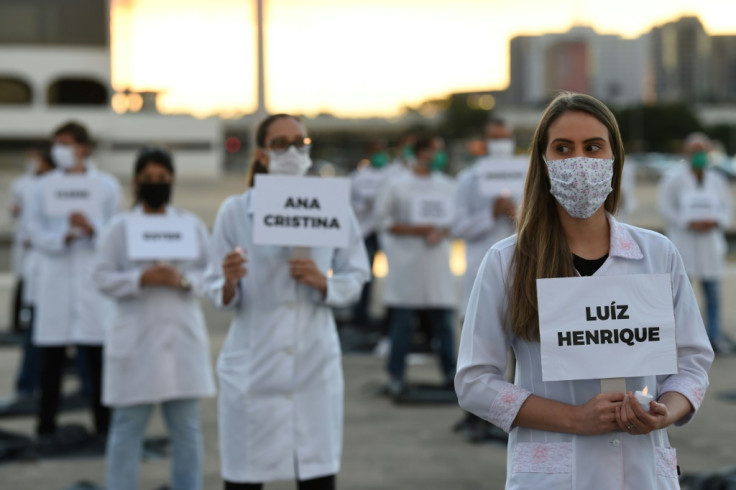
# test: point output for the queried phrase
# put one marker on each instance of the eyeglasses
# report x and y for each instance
(282, 144)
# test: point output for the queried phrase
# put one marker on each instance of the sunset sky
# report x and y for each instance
(351, 57)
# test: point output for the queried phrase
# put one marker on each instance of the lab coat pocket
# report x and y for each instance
(233, 371)
(666, 460)
(537, 464)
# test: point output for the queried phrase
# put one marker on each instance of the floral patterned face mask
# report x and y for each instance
(580, 184)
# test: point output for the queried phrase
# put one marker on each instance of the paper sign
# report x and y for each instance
(66, 194)
(698, 205)
(161, 238)
(431, 209)
(301, 211)
(502, 175)
(367, 183)
(606, 327)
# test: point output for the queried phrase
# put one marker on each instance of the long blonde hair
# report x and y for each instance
(541, 249)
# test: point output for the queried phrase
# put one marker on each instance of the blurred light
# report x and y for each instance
(119, 103)
(327, 170)
(232, 144)
(380, 265)
(135, 102)
(457, 258)
(486, 102)
(329, 272)
(307, 140)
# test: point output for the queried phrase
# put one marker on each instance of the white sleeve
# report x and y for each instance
(222, 243)
(109, 274)
(668, 200)
(484, 345)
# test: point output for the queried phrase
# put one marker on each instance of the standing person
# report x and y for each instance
(700, 240)
(418, 256)
(483, 220)
(156, 351)
(366, 183)
(70, 311)
(27, 380)
(281, 383)
(564, 434)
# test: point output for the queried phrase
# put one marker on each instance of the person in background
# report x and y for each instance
(700, 240)
(366, 182)
(566, 434)
(70, 311)
(418, 256)
(156, 351)
(281, 382)
(24, 261)
(481, 221)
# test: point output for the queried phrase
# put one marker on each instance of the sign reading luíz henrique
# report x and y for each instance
(301, 211)
(606, 327)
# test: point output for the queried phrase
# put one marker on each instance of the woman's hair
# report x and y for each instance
(153, 155)
(541, 249)
(255, 166)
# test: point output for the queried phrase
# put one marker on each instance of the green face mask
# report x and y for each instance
(379, 159)
(699, 160)
(439, 161)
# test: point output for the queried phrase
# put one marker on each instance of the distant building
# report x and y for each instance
(724, 68)
(55, 67)
(606, 66)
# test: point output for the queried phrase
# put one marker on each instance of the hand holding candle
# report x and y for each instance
(644, 398)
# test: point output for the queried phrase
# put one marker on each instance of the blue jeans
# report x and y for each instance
(401, 333)
(28, 379)
(125, 444)
(711, 290)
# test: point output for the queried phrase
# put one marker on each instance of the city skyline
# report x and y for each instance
(320, 59)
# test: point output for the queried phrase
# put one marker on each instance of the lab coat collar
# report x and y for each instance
(622, 243)
(169, 211)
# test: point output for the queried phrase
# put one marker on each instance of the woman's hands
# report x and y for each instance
(599, 414)
(233, 268)
(305, 271)
(161, 275)
(632, 418)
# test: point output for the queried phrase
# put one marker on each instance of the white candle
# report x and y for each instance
(644, 398)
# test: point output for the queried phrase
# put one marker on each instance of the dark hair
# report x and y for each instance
(153, 155)
(45, 156)
(255, 166)
(77, 130)
(423, 143)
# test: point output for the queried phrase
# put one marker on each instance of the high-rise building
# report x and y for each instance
(681, 57)
(603, 65)
(724, 68)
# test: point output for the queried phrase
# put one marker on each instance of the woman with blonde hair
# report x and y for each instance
(567, 434)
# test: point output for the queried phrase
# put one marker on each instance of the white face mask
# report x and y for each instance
(63, 156)
(580, 184)
(291, 162)
(501, 147)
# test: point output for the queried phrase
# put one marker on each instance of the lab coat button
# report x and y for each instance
(615, 442)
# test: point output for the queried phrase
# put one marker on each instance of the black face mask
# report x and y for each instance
(154, 195)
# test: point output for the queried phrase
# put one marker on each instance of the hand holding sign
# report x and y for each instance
(305, 271)
(702, 225)
(233, 268)
(161, 275)
(504, 206)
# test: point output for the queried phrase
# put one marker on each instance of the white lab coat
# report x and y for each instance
(280, 373)
(474, 222)
(21, 192)
(419, 274)
(704, 253)
(156, 349)
(364, 187)
(69, 308)
(551, 460)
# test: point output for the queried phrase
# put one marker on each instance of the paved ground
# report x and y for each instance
(386, 446)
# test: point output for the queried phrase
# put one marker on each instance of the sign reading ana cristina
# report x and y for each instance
(606, 327)
(161, 238)
(301, 211)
